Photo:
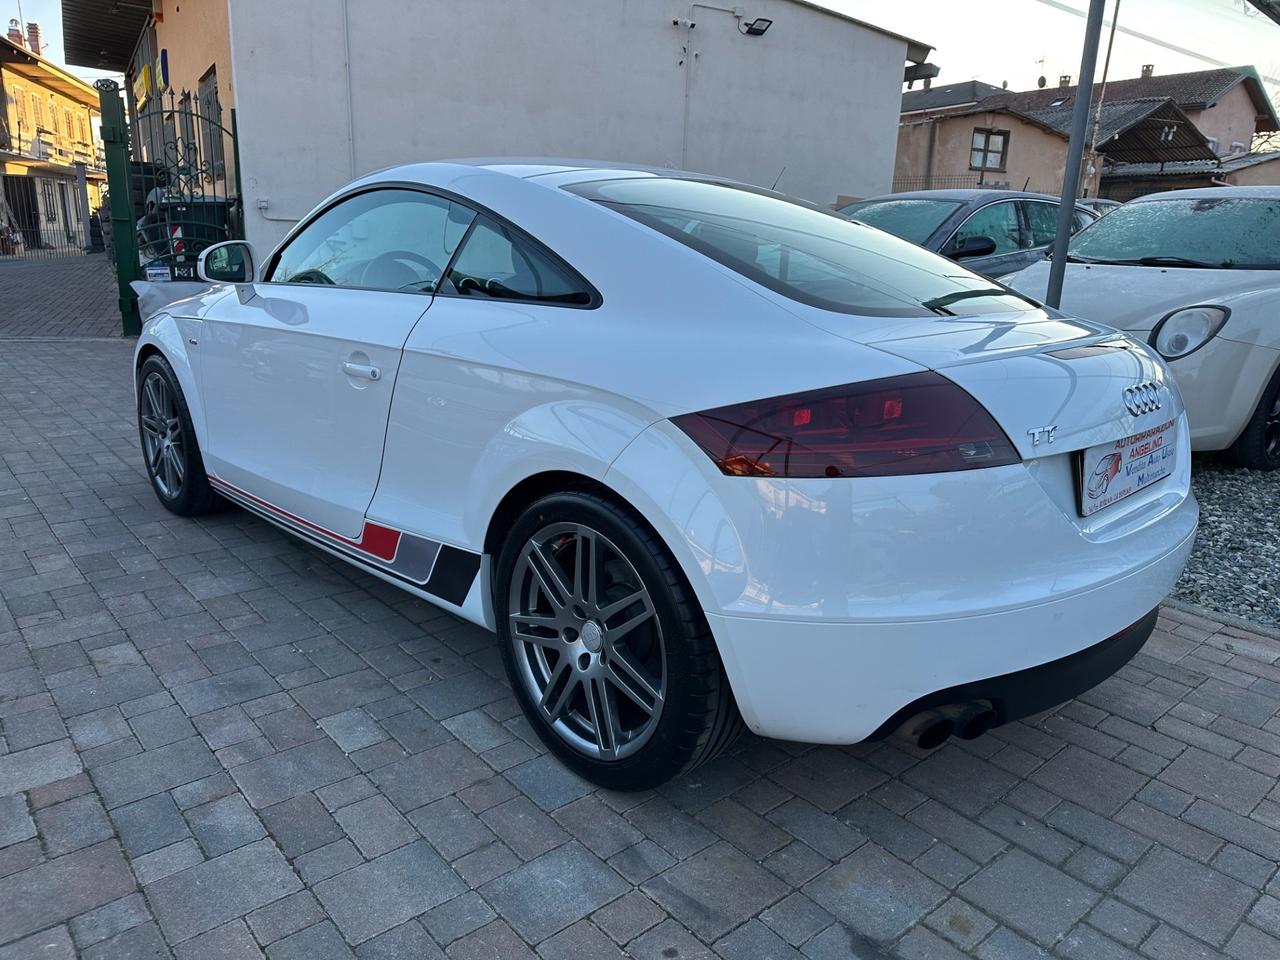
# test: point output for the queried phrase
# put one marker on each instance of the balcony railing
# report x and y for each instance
(44, 146)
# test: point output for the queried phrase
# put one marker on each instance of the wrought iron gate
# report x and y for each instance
(173, 177)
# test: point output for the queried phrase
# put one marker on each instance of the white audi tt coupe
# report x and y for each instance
(698, 453)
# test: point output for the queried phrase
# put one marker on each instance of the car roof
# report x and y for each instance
(1203, 193)
(561, 169)
(965, 196)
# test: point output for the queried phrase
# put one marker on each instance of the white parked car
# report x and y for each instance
(1197, 274)
(698, 453)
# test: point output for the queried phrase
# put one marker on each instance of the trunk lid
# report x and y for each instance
(1040, 372)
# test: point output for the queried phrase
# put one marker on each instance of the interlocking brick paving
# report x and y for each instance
(218, 742)
(59, 297)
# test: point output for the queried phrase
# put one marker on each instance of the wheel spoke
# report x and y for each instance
(153, 397)
(175, 458)
(617, 606)
(550, 580)
(170, 475)
(156, 456)
(615, 634)
(603, 717)
(565, 695)
(154, 426)
(633, 680)
(519, 620)
(585, 566)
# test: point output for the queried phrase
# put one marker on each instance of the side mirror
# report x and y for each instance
(229, 262)
(976, 246)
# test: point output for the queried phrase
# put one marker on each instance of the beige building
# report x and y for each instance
(972, 134)
(182, 60)
(988, 148)
(49, 160)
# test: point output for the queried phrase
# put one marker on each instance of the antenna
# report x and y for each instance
(780, 173)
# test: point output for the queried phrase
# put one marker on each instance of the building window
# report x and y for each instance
(989, 149)
(50, 212)
(210, 129)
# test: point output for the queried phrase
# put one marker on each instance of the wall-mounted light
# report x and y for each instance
(757, 27)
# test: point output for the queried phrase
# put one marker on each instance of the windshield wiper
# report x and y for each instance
(1176, 262)
(1156, 262)
(1075, 258)
(940, 303)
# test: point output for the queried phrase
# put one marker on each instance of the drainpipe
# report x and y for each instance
(929, 153)
(351, 114)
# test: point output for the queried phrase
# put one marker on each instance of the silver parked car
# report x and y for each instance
(995, 232)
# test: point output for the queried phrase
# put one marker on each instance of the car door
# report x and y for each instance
(1041, 217)
(299, 368)
(464, 399)
(1000, 222)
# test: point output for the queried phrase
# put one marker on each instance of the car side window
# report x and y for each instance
(999, 221)
(1080, 220)
(390, 239)
(1042, 221)
(495, 262)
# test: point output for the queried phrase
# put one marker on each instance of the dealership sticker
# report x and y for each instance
(1112, 471)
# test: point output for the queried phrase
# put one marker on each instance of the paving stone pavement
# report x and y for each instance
(218, 743)
(59, 297)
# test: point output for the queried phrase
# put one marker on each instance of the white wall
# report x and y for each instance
(601, 79)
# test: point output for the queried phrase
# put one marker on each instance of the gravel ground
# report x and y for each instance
(1235, 567)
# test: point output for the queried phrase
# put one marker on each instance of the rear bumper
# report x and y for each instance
(842, 682)
(1026, 692)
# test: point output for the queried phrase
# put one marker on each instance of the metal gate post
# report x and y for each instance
(115, 139)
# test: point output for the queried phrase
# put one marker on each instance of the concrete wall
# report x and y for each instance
(1259, 175)
(1036, 158)
(1231, 118)
(602, 79)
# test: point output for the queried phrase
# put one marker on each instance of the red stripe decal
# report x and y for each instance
(375, 540)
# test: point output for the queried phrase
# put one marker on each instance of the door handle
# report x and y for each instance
(364, 371)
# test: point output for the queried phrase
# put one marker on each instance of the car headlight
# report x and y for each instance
(1185, 331)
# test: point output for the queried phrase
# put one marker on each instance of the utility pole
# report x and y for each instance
(1075, 151)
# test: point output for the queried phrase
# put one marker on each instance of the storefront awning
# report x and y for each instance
(101, 34)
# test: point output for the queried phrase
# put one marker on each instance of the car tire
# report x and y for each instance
(567, 675)
(171, 454)
(1258, 446)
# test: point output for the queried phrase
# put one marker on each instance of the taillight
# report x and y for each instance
(918, 423)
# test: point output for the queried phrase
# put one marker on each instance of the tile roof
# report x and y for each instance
(1190, 91)
(1206, 167)
(948, 95)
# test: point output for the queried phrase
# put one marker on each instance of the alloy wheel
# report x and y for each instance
(162, 439)
(587, 641)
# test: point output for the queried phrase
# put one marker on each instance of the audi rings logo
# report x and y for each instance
(1145, 397)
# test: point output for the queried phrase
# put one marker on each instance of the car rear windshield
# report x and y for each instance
(913, 220)
(803, 252)
(1241, 233)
